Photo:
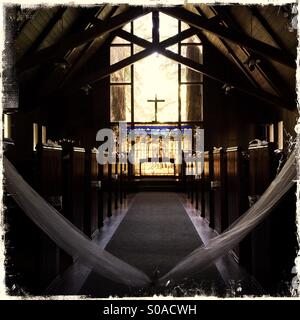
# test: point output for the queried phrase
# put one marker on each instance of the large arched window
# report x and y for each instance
(134, 89)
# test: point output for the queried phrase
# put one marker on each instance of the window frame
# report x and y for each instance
(180, 82)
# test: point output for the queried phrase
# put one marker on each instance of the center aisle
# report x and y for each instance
(155, 234)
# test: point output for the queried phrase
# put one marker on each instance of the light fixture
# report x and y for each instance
(87, 88)
(252, 62)
(227, 88)
(62, 64)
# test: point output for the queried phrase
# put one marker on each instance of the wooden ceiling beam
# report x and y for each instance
(56, 75)
(269, 29)
(240, 64)
(99, 75)
(88, 45)
(265, 68)
(42, 36)
(60, 48)
(165, 43)
(155, 27)
(144, 43)
(252, 44)
(161, 48)
(150, 48)
(231, 52)
(262, 95)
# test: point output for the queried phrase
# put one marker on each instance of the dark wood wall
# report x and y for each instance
(235, 119)
(66, 114)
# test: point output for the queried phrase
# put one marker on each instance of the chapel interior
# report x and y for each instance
(70, 71)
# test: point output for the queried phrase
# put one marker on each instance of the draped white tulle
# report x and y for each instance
(74, 242)
(66, 235)
(221, 244)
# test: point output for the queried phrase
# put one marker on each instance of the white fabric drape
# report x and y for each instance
(66, 235)
(221, 244)
(74, 242)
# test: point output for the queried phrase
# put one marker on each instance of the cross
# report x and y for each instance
(155, 104)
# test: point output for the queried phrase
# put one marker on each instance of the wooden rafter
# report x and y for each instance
(166, 43)
(51, 82)
(155, 27)
(229, 34)
(139, 41)
(269, 29)
(265, 69)
(161, 48)
(59, 49)
(231, 52)
(262, 95)
(93, 20)
(42, 36)
(97, 76)
(143, 43)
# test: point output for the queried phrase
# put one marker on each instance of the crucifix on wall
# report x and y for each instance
(155, 105)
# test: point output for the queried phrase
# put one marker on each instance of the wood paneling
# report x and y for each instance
(219, 190)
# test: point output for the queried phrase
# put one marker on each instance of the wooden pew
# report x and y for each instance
(201, 186)
(189, 181)
(262, 169)
(219, 190)
(36, 258)
(124, 180)
(183, 175)
(123, 186)
(107, 191)
(49, 185)
(74, 183)
(208, 194)
(101, 197)
(192, 185)
(92, 207)
(237, 195)
(115, 184)
(197, 196)
(284, 244)
(198, 187)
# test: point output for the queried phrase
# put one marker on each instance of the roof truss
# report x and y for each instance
(228, 34)
(161, 48)
(265, 68)
(59, 49)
